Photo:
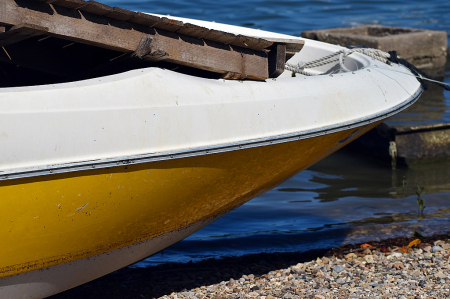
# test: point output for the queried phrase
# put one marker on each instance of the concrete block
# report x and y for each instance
(426, 49)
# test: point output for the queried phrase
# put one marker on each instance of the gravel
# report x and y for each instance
(422, 271)
(381, 271)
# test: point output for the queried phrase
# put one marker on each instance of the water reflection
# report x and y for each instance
(342, 199)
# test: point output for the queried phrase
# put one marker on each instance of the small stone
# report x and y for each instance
(338, 268)
(367, 251)
(395, 255)
(399, 266)
(255, 288)
(253, 294)
(319, 297)
(231, 282)
(242, 280)
(436, 249)
(439, 242)
(270, 297)
(369, 259)
(251, 276)
(415, 273)
(351, 255)
(440, 275)
(427, 248)
(341, 281)
(421, 283)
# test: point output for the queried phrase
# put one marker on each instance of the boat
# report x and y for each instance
(100, 172)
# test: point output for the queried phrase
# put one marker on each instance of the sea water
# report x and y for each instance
(344, 198)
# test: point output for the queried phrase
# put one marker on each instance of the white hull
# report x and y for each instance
(156, 112)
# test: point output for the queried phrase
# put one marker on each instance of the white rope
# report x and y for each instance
(338, 56)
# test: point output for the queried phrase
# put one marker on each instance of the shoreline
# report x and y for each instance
(348, 271)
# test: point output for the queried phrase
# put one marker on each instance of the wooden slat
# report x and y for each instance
(96, 8)
(145, 19)
(212, 56)
(277, 60)
(193, 30)
(96, 31)
(164, 23)
(169, 24)
(125, 37)
(251, 42)
(68, 3)
(292, 45)
(121, 14)
(220, 36)
(21, 32)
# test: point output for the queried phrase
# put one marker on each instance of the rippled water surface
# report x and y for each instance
(344, 198)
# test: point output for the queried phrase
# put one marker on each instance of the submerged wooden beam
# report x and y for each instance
(115, 33)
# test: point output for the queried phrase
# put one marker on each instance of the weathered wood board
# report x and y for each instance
(150, 37)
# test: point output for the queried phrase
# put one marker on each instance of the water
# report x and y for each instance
(344, 198)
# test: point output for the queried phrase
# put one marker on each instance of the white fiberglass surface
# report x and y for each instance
(145, 112)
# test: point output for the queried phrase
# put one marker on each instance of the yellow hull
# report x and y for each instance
(50, 220)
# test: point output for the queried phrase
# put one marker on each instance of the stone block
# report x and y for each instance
(426, 49)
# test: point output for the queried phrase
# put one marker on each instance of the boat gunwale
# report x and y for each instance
(216, 149)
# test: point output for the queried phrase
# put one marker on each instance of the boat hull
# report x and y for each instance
(88, 221)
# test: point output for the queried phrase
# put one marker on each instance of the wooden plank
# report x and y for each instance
(234, 63)
(21, 32)
(121, 14)
(96, 8)
(145, 19)
(68, 3)
(277, 60)
(164, 23)
(96, 31)
(125, 37)
(193, 30)
(220, 36)
(251, 42)
(169, 24)
(292, 45)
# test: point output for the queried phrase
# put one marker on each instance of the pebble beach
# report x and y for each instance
(421, 272)
(393, 268)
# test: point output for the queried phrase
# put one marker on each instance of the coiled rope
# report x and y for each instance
(338, 56)
(375, 54)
